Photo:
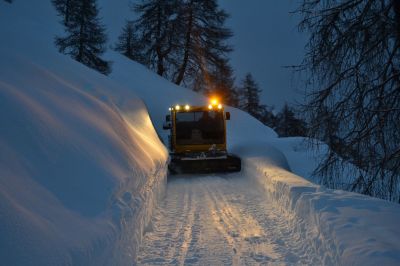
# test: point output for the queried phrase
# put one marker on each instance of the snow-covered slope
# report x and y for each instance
(344, 228)
(80, 161)
(81, 165)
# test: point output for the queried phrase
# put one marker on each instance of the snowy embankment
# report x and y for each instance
(79, 176)
(345, 228)
(81, 165)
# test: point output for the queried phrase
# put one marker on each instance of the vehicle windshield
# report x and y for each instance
(203, 127)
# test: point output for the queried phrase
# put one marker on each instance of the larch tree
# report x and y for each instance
(250, 97)
(127, 42)
(268, 117)
(288, 125)
(202, 43)
(85, 39)
(353, 61)
(220, 83)
(63, 8)
(156, 32)
(185, 42)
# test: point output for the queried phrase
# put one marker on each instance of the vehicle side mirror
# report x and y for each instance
(228, 116)
(167, 123)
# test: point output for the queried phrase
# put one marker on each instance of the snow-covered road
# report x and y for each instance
(220, 220)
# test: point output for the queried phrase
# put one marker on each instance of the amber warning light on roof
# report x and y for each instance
(214, 104)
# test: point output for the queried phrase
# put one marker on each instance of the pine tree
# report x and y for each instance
(127, 42)
(288, 125)
(63, 8)
(250, 97)
(156, 31)
(85, 40)
(221, 84)
(268, 117)
(202, 43)
(185, 41)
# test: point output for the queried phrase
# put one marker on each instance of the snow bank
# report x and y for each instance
(345, 228)
(76, 172)
(81, 165)
(303, 159)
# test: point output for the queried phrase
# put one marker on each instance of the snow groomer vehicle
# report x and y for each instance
(197, 139)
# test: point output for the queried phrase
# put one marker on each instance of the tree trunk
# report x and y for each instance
(160, 62)
(67, 11)
(81, 40)
(160, 56)
(396, 7)
(182, 69)
(129, 41)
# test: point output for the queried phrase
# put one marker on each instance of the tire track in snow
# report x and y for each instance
(187, 230)
(212, 220)
(167, 249)
(243, 230)
(223, 224)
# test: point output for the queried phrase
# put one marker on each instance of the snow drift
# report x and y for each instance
(81, 165)
(345, 228)
(71, 165)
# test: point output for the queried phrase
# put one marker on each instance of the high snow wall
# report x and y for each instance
(79, 169)
(345, 228)
(81, 165)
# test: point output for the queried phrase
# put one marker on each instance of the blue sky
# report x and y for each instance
(266, 39)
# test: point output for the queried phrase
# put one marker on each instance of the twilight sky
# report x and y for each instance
(266, 39)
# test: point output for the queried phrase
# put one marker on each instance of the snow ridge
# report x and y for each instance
(345, 228)
(81, 165)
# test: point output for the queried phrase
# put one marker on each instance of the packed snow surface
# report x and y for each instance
(222, 220)
(82, 171)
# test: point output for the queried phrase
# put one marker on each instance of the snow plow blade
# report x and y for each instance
(230, 163)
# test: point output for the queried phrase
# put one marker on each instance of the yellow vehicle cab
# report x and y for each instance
(197, 139)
